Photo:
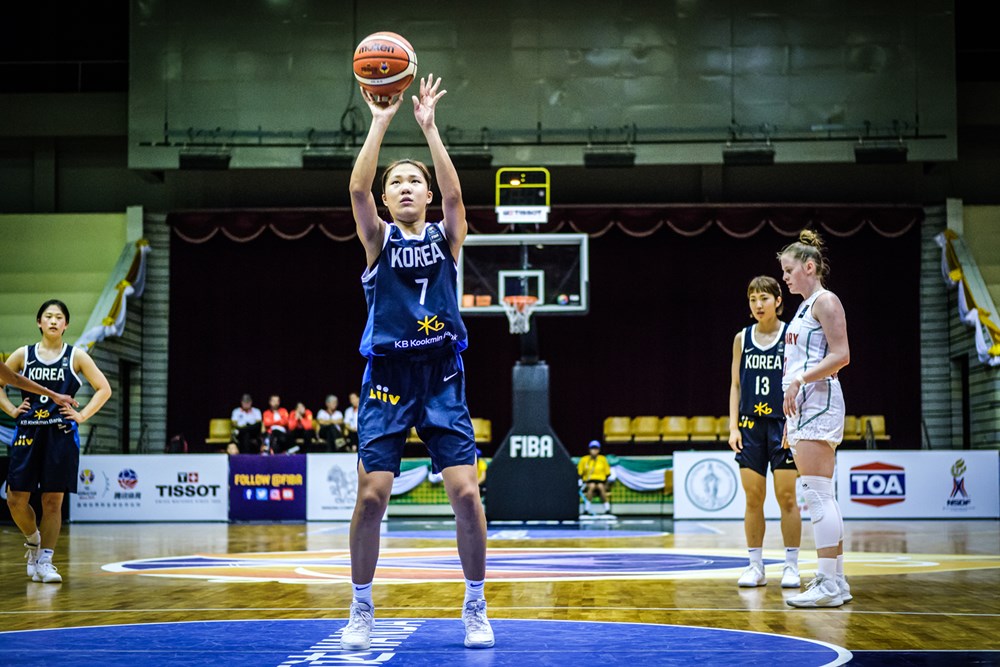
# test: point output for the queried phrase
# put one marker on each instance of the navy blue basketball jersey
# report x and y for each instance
(760, 375)
(58, 376)
(411, 295)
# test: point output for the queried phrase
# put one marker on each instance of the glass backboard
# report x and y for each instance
(551, 267)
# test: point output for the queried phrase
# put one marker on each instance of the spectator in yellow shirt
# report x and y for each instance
(594, 471)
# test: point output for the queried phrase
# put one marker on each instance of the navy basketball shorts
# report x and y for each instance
(45, 457)
(762, 445)
(426, 391)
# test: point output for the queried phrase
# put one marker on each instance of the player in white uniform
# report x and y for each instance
(816, 348)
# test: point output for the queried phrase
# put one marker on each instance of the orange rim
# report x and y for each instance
(520, 301)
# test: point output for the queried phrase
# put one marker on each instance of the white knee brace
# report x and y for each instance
(828, 526)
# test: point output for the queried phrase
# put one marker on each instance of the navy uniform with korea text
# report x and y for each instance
(413, 342)
(761, 427)
(45, 451)
(762, 421)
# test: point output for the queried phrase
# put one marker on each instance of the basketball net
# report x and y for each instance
(519, 309)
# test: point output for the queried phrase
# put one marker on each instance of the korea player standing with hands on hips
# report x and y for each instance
(45, 453)
(413, 342)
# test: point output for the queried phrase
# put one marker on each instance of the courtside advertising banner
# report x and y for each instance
(899, 484)
(707, 486)
(151, 487)
(267, 488)
(333, 486)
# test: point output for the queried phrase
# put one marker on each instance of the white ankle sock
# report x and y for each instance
(474, 591)
(840, 565)
(35, 538)
(792, 556)
(45, 555)
(756, 555)
(363, 593)
(827, 567)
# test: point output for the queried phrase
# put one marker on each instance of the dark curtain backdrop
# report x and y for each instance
(283, 313)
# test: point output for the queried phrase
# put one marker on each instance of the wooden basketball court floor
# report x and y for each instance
(925, 592)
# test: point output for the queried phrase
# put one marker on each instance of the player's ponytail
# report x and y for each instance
(809, 248)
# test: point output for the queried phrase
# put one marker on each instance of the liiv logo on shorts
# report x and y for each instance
(380, 393)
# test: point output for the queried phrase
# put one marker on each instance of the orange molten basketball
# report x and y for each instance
(384, 64)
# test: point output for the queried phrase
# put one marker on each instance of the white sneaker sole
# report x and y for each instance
(355, 646)
(470, 644)
(814, 604)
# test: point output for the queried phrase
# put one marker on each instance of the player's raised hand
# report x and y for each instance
(423, 106)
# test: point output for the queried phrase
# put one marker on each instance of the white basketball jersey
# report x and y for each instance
(805, 342)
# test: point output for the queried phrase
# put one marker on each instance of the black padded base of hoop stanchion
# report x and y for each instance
(532, 476)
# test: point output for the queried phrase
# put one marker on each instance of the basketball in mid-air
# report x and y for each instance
(384, 64)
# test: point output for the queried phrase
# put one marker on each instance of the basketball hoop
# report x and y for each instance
(519, 309)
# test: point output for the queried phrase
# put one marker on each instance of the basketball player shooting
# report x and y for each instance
(413, 342)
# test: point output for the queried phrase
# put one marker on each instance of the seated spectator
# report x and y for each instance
(247, 426)
(300, 426)
(351, 422)
(331, 425)
(276, 425)
(594, 471)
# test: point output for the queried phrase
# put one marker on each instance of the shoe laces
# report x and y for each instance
(818, 580)
(32, 553)
(814, 583)
(474, 616)
(361, 619)
(46, 566)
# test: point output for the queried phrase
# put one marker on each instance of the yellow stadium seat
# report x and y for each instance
(852, 428)
(220, 432)
(877, 423)
(617, 429)
(674, 429)
(722, 427)
(703, 428)
(483, 428)
(646, 429)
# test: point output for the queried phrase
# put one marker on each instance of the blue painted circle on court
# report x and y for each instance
(411, 642)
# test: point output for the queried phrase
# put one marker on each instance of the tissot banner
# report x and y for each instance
(151, 487)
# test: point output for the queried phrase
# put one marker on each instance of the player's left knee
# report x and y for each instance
(787, 502)
(465, 495)
(52, 502)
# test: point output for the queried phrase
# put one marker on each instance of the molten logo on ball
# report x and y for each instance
(384, 64)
